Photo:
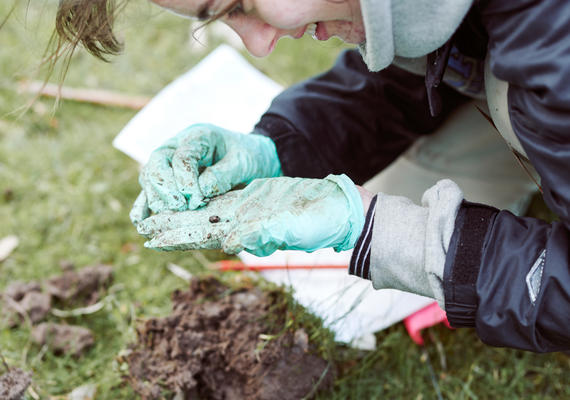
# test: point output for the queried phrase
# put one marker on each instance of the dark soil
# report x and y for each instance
(14, 383)
(33, 301)
(220, 343)
(25, 298)
(63, 339)
(83, 285)
(72, 288)
(36, 305)
(17, 290)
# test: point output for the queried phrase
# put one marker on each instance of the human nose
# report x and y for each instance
(258, 37)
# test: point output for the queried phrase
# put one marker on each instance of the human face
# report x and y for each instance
(261, 23)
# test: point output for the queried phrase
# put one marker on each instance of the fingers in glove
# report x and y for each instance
(192, 237)
(140, 210)
(185, 167)
(227, 173)
(201, 148)
(218, 211)
(157, 180)
(252, 237)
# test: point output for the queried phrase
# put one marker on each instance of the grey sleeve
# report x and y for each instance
(408, 243)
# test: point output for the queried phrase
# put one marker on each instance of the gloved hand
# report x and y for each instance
(172, 179)
(269, 214)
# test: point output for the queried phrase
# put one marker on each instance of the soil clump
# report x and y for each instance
(14, 384)
(63, 339)
(33, 301)
(25, 298)
(83, 285)
(223, 343)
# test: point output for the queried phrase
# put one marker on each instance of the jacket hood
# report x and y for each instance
(407, 28)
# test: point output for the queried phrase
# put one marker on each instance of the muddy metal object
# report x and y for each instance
(14, 384)
(224, 344)
(63, 339)
(80, 285)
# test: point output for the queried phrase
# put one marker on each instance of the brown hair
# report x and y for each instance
(90, 23)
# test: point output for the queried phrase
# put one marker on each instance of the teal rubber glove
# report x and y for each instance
(199, 163)
(269, 214)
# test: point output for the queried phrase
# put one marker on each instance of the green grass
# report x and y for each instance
(66, 193)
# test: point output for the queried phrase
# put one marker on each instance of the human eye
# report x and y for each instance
(236, 10)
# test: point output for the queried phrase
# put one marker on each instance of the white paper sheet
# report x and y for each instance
(224, 89)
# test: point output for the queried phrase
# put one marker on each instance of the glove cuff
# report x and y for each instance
(355, 208)
(267, 155)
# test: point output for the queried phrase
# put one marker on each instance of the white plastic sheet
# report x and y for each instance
(348, 305)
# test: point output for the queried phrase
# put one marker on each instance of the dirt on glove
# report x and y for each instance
(222, 343)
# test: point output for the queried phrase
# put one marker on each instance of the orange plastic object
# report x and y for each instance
(235, 265)
(428, 316)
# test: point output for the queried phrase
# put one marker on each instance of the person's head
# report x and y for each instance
(259, 23)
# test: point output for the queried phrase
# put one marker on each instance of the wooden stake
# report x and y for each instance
(94, 96)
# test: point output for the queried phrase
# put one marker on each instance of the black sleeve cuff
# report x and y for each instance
(297, 155)
(360, 260)
(464, 261)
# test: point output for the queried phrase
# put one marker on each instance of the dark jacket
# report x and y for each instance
(507, 276)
